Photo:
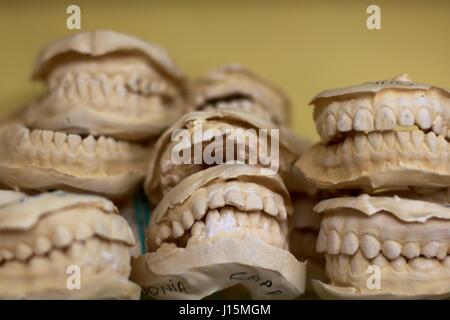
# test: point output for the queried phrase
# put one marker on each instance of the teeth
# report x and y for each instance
(380, 261)
(363, 120)
(253, 202)
(270, 206)
(399, 263)
(74, 142)
(23, 251)
(165, 231)
(254, 219)
(437, 124)
(216, 200)
(76, 250)
(234, 197)
(423, 264)
(39, 265)
(60, 138)
(360, 143)
(90, 144)
(264, 222)
(83, 80)
(177, 229)
(187, 220)
(385, 119)
(96, 93)
(376, 140)
(199, 209)
(198, 228)
(430, 250)
(350, 244)
(275, 226)
(406, 117)
(431, 141)
(242, 218)
(358, 263)
(403, 139)
(446, 262)
(333, 242)
(344, 123)
(47, 138)
(57, 257)
(227, 218)
(391, 249)
(282, 212)
(321, 244)
(35, 137)
(62, 237)
(411, 250)
(423, 118)
(417, 138)
(212, 219)
(331, 127)
(83, 232)
(42, 245)
(370, 246)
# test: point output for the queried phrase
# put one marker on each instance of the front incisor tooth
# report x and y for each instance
(423, 118)
(254, 219)
(212, 218)
(344, 122)
(333, 242)
(363, 120)
(62, 237)
(234, 197)
(350, 244)
(411, 250)
(42, 245)
(187, 219)
(177, 229)
(370, 246)
(403, 138)
(321, 243)
(199, 209)
(391, 249)
(375, 140)
(385, 119)
(360, 143)
(405, 117)
(253, 202)
(417, 137)
(242, 218)
(23, 251)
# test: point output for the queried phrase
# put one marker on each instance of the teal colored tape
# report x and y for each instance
(142, 216)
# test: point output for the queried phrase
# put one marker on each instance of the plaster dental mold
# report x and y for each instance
(218, 228)
(304, 229)
(236, 87)
(107, 83)
(408, 240)
(43, 159)
(63, 246)
(212, 132)
(385, 134)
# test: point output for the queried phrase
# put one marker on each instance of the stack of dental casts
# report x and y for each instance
(384, 149)
(221, 176)
(109, 95)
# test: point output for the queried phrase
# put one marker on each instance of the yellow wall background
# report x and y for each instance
(303, 46)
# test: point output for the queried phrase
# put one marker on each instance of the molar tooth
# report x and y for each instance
(199, 208)
(253, 202)
(60, 138)
(242, 218)
(370, 246)
(363, 120)
(7, 255)
(423, 264)
(391, 249)
(423, 118)
(187, 219)
(411, 250)
(358, 263)
(430, 250)
(333, 242)
(198, 228)
(344, 122)
(234, 197)
(74, 141)
(380, 261)
(23, 251)
(35, 137)
(62, 237)
(39, 265)
(165, 231)
(216, 200)
(83, 231)
(399, 263)
(90, 144)
(406, 117)
(376, 140)
(270, 206)
(321, 243)
(42, 245)
(47, 137)
(437, 124)
(177, 229)
(385, 119)
(331, 127)
(432, 141)
(417, 138)
(360, 142)
(350, 244)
